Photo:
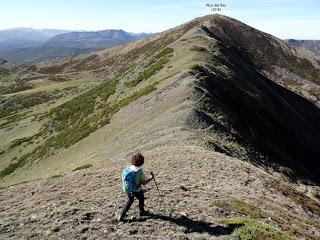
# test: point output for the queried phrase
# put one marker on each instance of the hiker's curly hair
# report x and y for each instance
(137, 159)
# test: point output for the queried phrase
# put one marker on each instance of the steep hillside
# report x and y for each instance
(241, 114)
(228, 197)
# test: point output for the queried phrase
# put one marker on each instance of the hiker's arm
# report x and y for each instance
(147, 180)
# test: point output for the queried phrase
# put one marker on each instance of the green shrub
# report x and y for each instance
(19, 141)
(13, 118)
(198, 49)
(82, 167)
(72, 126)
(13, 166)
(241, 207)
(249, 229)
(15, 88)
(164, 52)
(9, 169)
(160, 60)
(20, 102)
(55, 176)
(56, 78)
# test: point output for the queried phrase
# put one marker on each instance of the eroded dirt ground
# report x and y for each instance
(195, 185)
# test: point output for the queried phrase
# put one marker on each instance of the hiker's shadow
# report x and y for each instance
(196, 226)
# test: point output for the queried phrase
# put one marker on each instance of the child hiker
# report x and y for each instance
(132, 179)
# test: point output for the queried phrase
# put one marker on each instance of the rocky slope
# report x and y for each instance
(200, 192)
(229, 124)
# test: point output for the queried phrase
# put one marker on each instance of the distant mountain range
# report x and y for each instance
(311, 45)
(85, 40)
(26, 37)
(27, 44)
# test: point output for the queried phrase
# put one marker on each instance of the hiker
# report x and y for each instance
(132, 179)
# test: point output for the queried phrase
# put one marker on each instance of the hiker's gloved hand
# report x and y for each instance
(152, 175)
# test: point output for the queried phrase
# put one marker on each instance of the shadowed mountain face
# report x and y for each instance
(311, 45)
(280, 124)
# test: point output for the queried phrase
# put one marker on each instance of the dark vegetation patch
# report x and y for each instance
(51, 69)
(70, 132)
(13, 118)
(9, 169)
(198, 49)
(305, 202)
(247, 229)
(158, 62)
(21, 86)
(201, 37)
(82, 105)
(82, 167)
(19, 141)
(241, 207)
(164, 52)
(15, 103)
(13, 166)
(76, 119)
(56, 78)
(55, 176)
(83, 63)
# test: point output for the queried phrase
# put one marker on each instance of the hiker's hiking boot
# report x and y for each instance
(145, 214)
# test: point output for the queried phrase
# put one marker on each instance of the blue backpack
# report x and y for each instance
(128, 180)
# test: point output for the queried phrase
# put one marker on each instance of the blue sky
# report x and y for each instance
(283, 18)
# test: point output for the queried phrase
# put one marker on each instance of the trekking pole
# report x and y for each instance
(161, 199)
(114, 210)
(155, 182)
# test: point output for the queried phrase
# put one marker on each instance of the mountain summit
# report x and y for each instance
(226, 115)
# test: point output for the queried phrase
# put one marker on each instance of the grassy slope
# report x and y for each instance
(72, 157)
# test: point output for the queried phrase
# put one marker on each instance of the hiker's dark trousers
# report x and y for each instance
(131, 195)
